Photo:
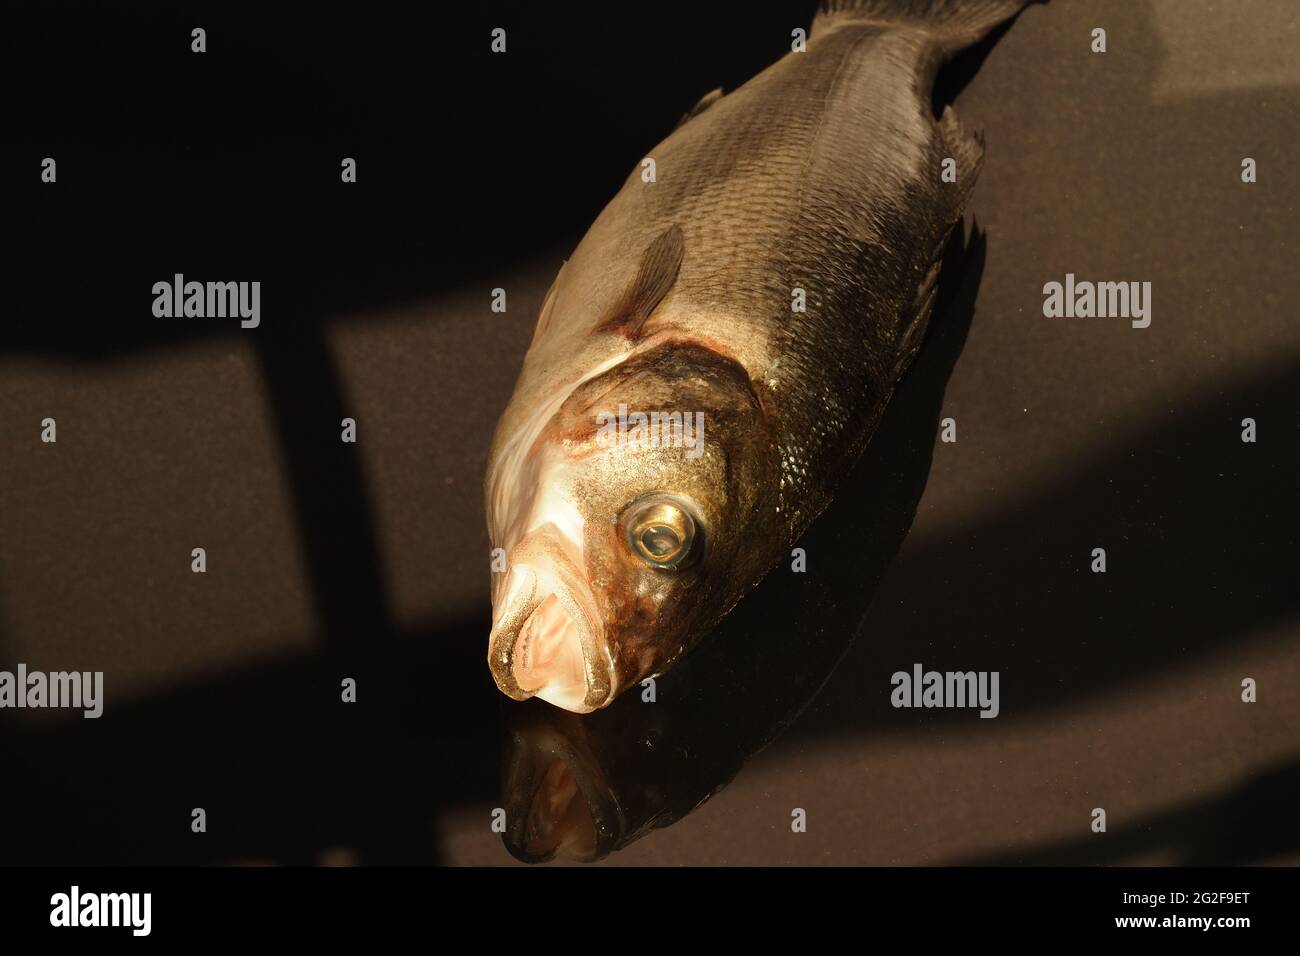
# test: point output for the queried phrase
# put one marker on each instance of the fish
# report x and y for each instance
(767, 273)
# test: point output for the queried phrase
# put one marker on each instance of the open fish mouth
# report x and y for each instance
(559, 821)
(546, 639)
(558, 802)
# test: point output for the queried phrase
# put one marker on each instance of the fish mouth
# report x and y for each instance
(559, 821)
(546, 639)
(558, 801)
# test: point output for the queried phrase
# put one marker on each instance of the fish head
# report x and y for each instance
(630, 525)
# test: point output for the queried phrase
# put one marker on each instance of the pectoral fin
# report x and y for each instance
(655, 275)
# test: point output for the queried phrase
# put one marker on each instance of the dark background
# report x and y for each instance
(476, 171)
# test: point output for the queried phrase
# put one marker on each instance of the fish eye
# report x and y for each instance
(660, 531)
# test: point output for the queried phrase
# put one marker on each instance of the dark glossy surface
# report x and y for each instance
(369, 561)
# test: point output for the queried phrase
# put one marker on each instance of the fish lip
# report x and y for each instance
(521, 600)
(523, 592)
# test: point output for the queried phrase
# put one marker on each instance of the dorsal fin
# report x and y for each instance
(656, 274)
(707, 100)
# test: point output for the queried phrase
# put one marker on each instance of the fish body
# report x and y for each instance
(817, 184)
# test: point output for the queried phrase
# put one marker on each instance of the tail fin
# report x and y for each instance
(952, 24)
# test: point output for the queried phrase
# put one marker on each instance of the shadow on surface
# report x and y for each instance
(1200, 532)
(468, 162)
(283, 768)
(1252, 823)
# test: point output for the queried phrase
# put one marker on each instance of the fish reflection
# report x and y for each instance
(581, 786)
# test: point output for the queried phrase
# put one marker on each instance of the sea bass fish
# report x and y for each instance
(717, 352)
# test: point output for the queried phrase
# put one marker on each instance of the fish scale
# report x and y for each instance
(798, 180)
